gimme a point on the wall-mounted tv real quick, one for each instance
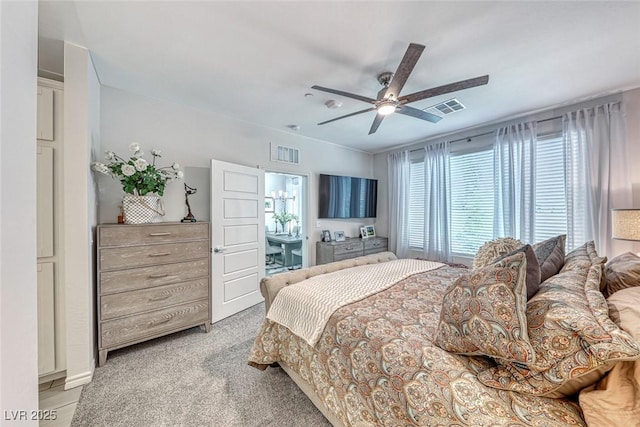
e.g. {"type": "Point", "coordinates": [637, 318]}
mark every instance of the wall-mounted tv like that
{"type": "Point", "coordinates": [347, 197]}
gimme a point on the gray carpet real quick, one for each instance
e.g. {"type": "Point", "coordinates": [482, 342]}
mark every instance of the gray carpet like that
{"type": "Point", "coordinates": [195, 379]}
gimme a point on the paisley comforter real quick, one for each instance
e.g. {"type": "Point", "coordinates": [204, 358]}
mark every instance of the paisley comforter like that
{"type": "Point", "coordinates": [376, 365]}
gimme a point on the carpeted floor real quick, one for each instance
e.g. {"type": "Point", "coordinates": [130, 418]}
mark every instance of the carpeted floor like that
{"type": "Point", "coordinates": [195, 379]}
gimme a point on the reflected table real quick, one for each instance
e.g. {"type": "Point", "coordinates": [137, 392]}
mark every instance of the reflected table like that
{"type": "Point", "coordinates": [289, 242]}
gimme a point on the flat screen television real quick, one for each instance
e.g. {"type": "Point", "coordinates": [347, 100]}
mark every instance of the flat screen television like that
{"type": "Point", "coordinates": [347, 197]}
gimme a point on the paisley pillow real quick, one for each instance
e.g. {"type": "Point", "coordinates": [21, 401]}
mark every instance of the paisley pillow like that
{"type": "Point", "coordinates": [574, 339]}
{"type": "Point", "coordinates": [483, 313]}
{"type": "Point", "coordinates": [533, 269]}
{"type": "Point", "coordinates": [494, 249]}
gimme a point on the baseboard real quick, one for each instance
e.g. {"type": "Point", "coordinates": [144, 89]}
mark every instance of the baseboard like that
{"type": "Point", "coordinates": [80, 379]}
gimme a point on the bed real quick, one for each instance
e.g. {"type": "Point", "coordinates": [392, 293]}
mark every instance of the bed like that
{"type": "Point", "coordinates": [379, 359]}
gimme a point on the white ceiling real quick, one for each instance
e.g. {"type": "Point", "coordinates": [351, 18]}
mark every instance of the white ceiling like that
{"type": "Point", "coordinates": [255, 61]}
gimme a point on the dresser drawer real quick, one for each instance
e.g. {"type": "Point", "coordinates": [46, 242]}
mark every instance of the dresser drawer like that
{"type": "Point", "coordinates": [375, 243]}
{"type": "Point", "coordinates": [138, 256]}
{"type": "Point", "coordinates": [149, 277]}
{"type": "Point", "coordinates": [348, 248]}
{"type": "Point", "coordinates": [126, 303]}
{"type": "Point", "coordinates": [142, 326]}
{"type": "Point", "coordinates": [143, 234]}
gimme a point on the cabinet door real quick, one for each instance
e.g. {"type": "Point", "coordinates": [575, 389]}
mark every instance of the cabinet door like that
{"type": "Point", "coordinates": [46, 319]}
{"type": "Point", "coordinates": [45, 113]}
{"type": "Point", "coordinates": [44, 202]}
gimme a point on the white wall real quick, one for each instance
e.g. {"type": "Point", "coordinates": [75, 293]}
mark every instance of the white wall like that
{"type": "Point", "coordinates": [192, 137]}
{"type": "Point", "coordinates": [81, 138]}
{"type": "Point", "coordinates": [631, 100]}
{"type": "Point", "coordinates": [18, 283]}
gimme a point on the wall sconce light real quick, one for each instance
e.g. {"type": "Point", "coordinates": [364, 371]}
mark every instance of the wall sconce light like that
{"type": "Point", "coordinates": [625, 224]}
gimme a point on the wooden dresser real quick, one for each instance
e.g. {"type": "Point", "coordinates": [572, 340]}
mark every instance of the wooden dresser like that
{"type": "Point", "coordinates": [336, 251]}
{"type": "Point", "coordinates": [153, 279]}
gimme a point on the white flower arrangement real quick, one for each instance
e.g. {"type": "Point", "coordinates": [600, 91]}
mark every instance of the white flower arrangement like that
{"type": "Point", "coordinates": [136, 175]}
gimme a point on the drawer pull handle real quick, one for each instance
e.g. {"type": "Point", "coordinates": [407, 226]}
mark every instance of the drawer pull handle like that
{"type": "Point", "coordinates": [160, 254]}
{"type": "Point", "coordinates": [160, 322]}
{"type": "Point", "coordinates": [157, 276]}
{"type": "Point", "coordinates": [159, 298]}
{"type": "Point", "coordinates": [160, 234]}
{"type": "Point", "coordinates": [348, 248]}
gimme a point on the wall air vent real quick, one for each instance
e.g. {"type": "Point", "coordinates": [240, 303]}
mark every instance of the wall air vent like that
{"type": "Point", "coordinates": [280, 153]}
{"type": "Point", "coordinates": [446, 107]}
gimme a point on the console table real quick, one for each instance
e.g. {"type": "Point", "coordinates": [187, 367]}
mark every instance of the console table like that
{"type": "Point", "coordinates": [327, 252]}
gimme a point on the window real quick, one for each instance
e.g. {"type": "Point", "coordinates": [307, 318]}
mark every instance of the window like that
{"type": "Point", "coordinates": [550, 200]}
{"type": "Point", "coordinates": [472, 196]}
{"type": "Point", "coordinates": [471, 201]}
{"type": "Point", "coordinates": [416, 204]}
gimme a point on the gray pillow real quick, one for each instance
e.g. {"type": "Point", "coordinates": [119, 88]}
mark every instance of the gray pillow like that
{"type": "Point", "coordinates": [622, 272]}
{"type": "Point", "coordinates": [550, 255]}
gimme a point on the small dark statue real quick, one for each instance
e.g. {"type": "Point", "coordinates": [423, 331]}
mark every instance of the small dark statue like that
{"type": "Point", "coordinates": [187, 192]}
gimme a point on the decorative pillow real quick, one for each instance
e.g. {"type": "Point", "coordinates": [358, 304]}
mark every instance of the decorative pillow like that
{"type": "Point", "coordinates": [613, 401]}
{"type": "Point", "coordinates": [550, 254]}
{"type": "Point", "coordinates": [622, 272]}
{"type": "Point", "coordinates": [493, 249]}
{"type": "Point", "coordinates": [483, 312]}
{"type": "Point", "coordinates": [582, 258]}
{"type": "Point", "coordinates": [533, 269]}
{"type": "Point", "coordinates": [575, 342]}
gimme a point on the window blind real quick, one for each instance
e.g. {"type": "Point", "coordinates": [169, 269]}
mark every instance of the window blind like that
{"type": "Point", "coordinates": [471, 201]}
{"type": "Point", "coordinates": [416, 204]}
{"type": "Point", "coordinates": [550, 203]}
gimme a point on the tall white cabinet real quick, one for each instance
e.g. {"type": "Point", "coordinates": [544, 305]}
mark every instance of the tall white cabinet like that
{"type": "Point", "coordinates": [51, 334]}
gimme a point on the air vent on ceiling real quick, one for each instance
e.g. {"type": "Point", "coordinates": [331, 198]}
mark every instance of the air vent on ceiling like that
{"type": "Point", "coordinates": [446, 107]}
{"type": "Point", "coordinates": [280, 153]}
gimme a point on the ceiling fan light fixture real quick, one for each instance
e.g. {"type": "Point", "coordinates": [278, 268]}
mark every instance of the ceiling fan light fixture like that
{"type": "Point", "coordinates": [387, 107]}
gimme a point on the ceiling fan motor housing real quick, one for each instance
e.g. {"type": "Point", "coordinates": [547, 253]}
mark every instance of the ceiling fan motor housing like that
{"type": "Point", "coordinates": [385, 78]}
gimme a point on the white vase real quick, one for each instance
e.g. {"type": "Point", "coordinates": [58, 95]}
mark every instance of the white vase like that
{"type": "Point", "coordinates": [142, 209]}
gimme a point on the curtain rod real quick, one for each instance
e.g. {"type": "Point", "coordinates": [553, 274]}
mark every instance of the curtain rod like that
{"type": "Point", "coordinates": [469, 138]}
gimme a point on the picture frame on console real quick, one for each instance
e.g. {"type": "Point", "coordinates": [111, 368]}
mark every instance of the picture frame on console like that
{"type": "Point", "coordinates": [363, 232]}
{"type": "Point", "coordinates": [326, 235]}
{"type": "Point", "coordinates": [340, 236]}
{"type": "Point", "coordinates": [371, 231]}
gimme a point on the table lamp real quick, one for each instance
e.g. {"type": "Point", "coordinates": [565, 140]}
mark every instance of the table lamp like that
{"type": "Point", "coordinates": [625, 224]}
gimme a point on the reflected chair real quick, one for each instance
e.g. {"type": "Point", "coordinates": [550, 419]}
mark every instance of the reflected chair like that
{"type": "Point", "coordinates": [296, 254]}
{"type": "Point", "coordinates": [271, 251]}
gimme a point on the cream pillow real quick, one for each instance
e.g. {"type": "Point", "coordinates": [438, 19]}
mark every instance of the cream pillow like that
{"type": "Point", "coordinates": [494, 249]}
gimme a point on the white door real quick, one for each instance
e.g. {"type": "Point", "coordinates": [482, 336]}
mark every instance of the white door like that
{"type": "Point", "coordinates": [237, 237]}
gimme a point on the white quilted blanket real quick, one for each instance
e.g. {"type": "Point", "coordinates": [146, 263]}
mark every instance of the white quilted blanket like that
{"type": "Point", "coordinates": [305, 307]}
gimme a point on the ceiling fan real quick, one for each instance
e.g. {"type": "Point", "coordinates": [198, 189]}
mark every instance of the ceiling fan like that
{"type": "Point", "coordinates": [389, 101]}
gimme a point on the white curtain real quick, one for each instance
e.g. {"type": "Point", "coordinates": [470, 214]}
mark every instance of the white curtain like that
{"type": "Point", "coordinates": [399, 173]}
{"type": "Point", "coordinates": [514, 159]}
{"type": "Point", "coordinates": [437, 203]}
{"type": "Point", "coordinates": [598, 175]}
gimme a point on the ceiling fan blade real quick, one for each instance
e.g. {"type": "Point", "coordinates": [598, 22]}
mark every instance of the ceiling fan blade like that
{"type": "Point", "coordinates": [347, 94]}
{"type": "Point", "coordinates": [405, 68]}
{"type": "Point", "coordinates": [418, 114]}
{"type": "Point", "coordinates": [349, 115]}
{"type": "Point", "coordinates": [376, 123]}
{"type": "Point", "coordinates": [440, 90]}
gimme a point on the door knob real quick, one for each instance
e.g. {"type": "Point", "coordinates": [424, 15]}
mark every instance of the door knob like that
{"type": "Point", "coordinates": [218, 249]}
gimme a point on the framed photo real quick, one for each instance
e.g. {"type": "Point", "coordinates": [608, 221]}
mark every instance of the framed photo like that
{"type": "Point", "coordinates": [326, 236]}
{"type": "Point", "coordinates": [269, 204]}
{"type": "Point", "coordinates": [363, 232]}
{"type": "Point", "coordinates": [371, 231]}
{"type": "Point", "coordinates": [340, 236]}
